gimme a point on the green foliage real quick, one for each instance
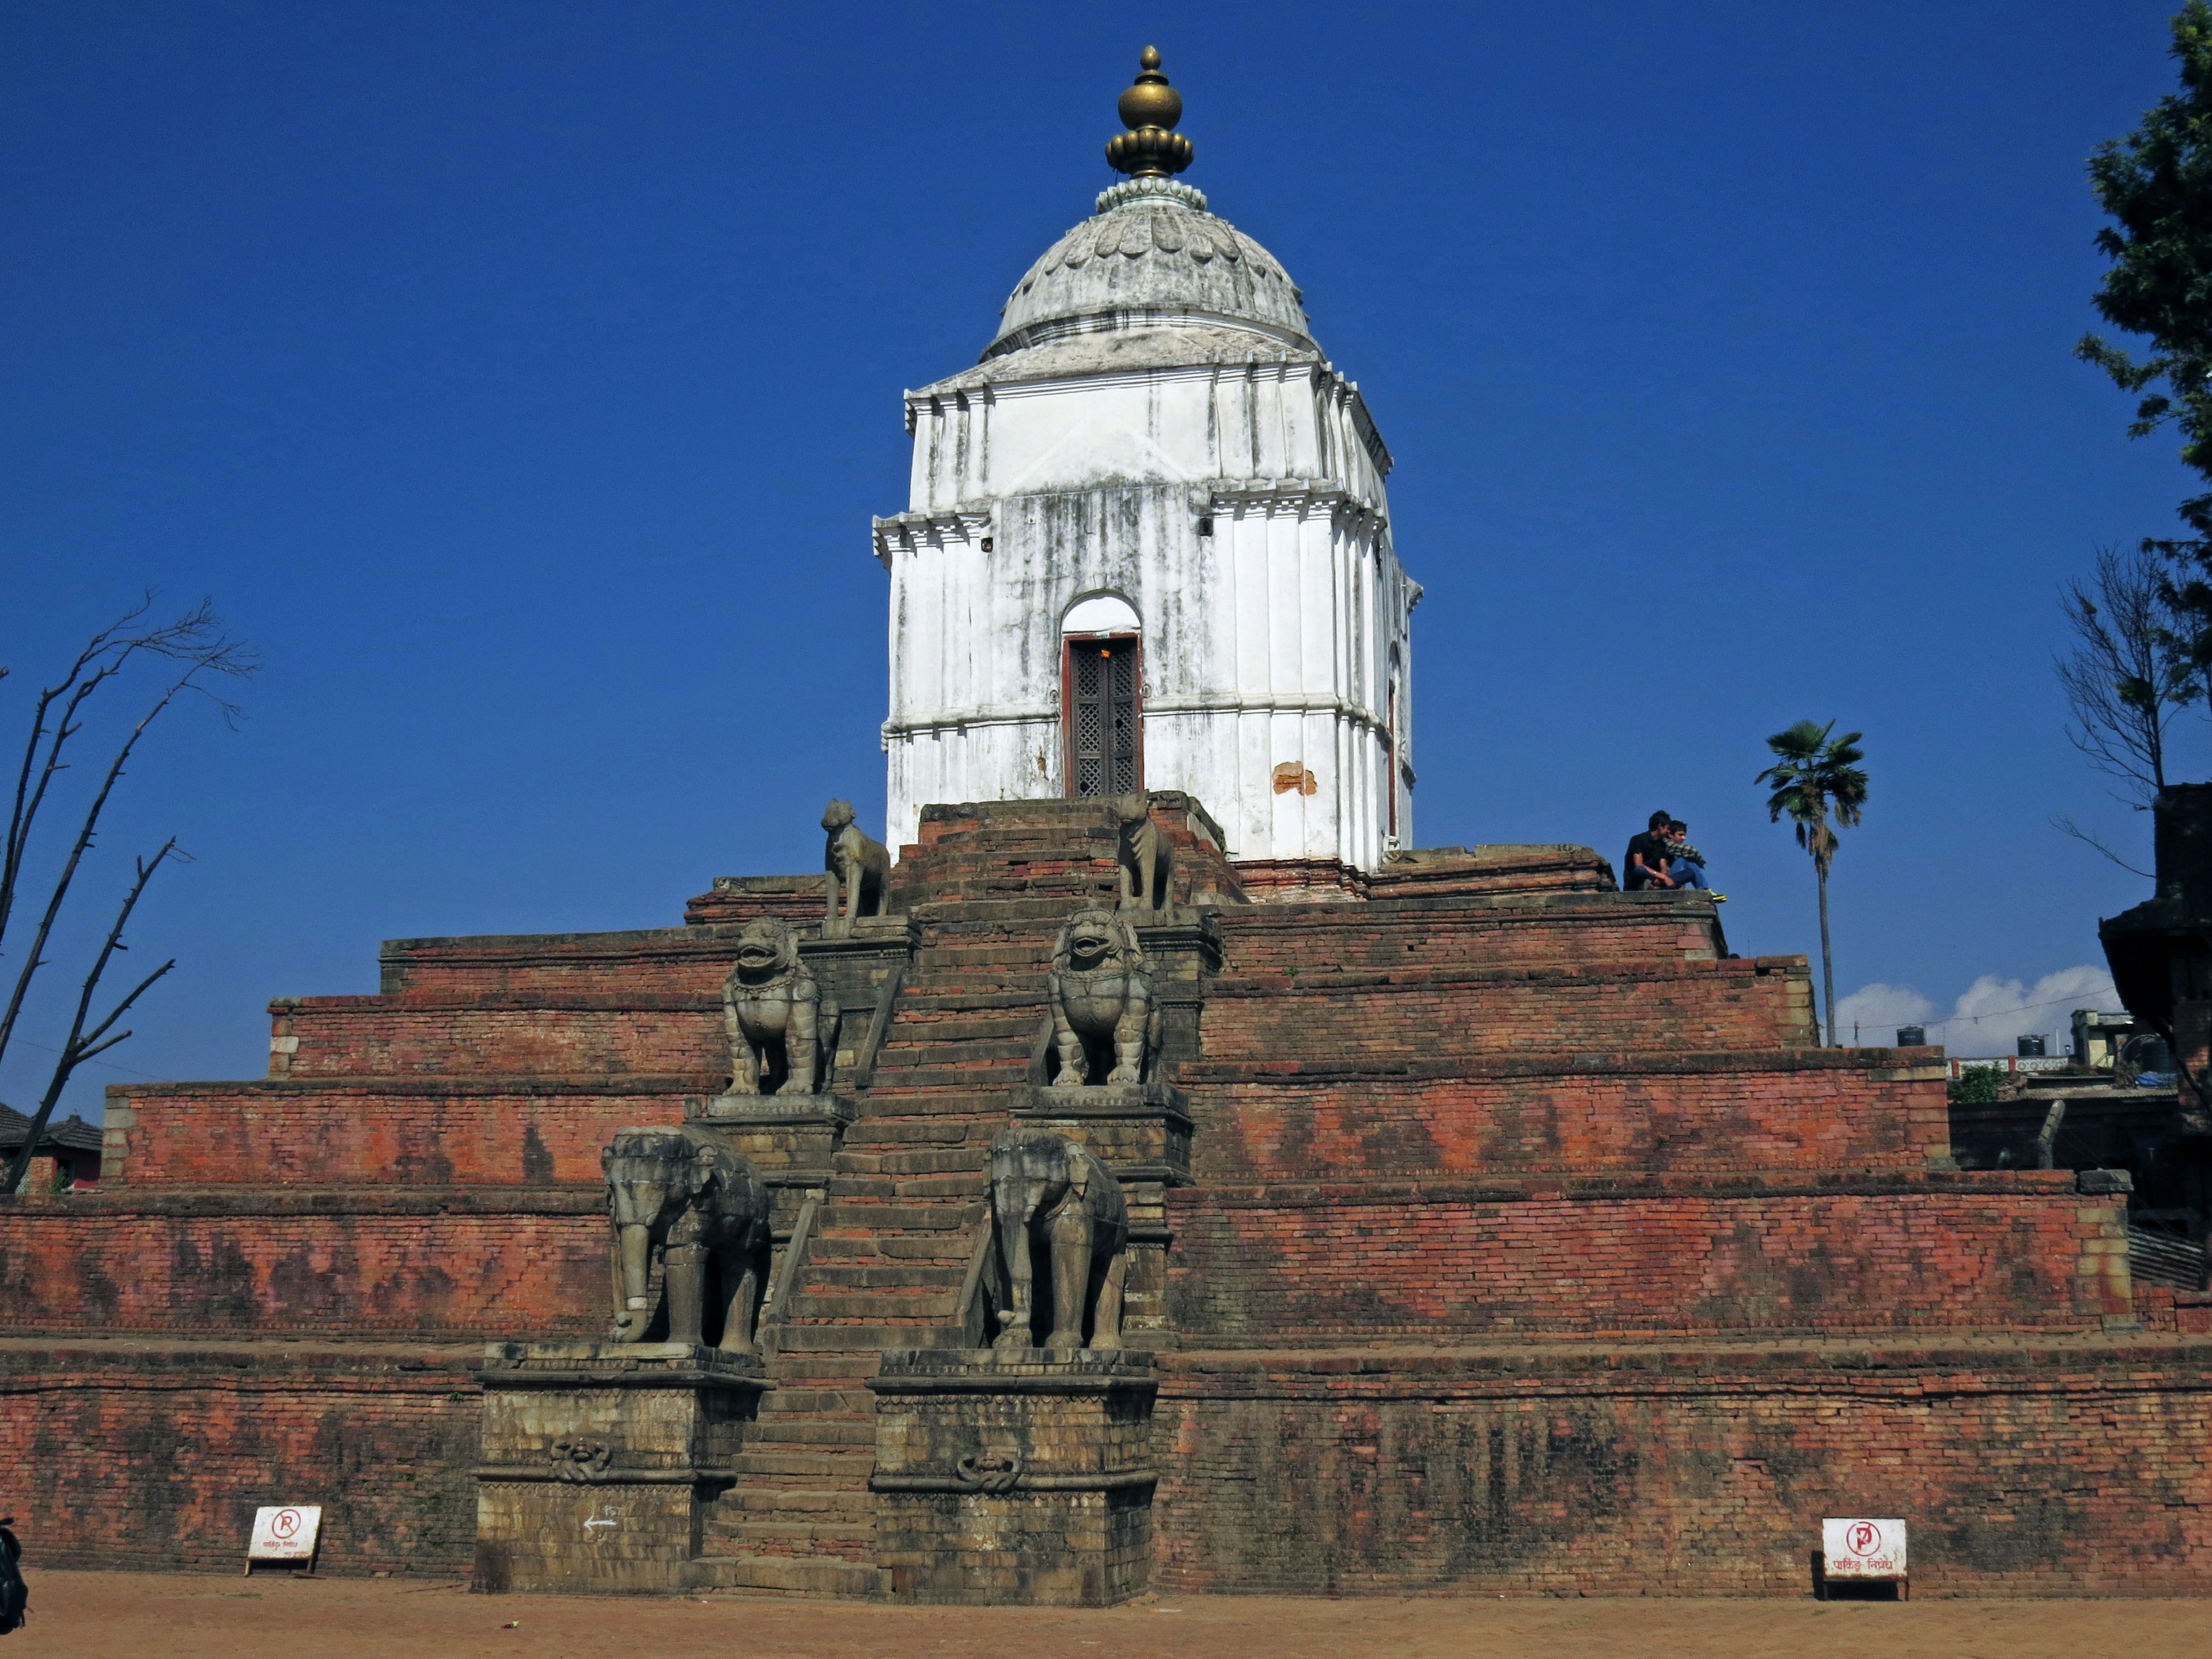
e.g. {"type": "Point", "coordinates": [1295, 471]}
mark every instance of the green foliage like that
{"type": "Point", "coordinates": [1977, 1085]}
{"type": "Point", "coordinates": [2156, 185]}
{"type": "Point", "coordinates": [1812, 777]}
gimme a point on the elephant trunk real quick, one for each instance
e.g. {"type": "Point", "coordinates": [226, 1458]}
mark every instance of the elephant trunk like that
{"type": "Point", "coordinates": [633, 1259]}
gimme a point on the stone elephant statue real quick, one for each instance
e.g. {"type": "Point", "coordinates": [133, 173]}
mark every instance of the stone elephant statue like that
{"type": "Point", "coordinates": [688, 1195]}
{"type": "Point", "coordinates": [1049, 1193]}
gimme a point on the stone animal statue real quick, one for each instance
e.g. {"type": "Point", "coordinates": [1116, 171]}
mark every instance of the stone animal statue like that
{"type": "Point", "coordinates": [1049, 1195]}
{"type": "Point", "coordinates": [1104, 1025]}
{"type": "Point", "coordinates": [860, 867]}
{"type": "Point", "coordinates": [688, 1195]}
{"type": "Point", "coordinates": [774, 1014]}
{"type": "Point", "coordinates": [1146, 856]}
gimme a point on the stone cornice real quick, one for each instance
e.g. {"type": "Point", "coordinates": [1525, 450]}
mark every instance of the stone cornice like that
{"type": "Point", "coordinates": [1301, 495]}
{"type": "Point", "coordinates": [911, 532]}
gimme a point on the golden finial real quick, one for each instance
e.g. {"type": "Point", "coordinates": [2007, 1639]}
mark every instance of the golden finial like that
{"type": "Point", "coordinates": [1150, 109]}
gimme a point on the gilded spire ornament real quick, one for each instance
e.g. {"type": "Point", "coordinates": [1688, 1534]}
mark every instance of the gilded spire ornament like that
{"type": "Point", "coordinates": [1151, 149]}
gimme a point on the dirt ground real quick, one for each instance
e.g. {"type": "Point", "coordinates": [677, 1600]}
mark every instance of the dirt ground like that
{"type": "Point", "coordinates": [88, 1615]}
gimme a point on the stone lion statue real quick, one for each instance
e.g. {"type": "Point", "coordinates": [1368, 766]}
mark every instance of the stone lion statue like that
{"type": "Point", "coordinates": [1146, 856]}
{"type": "Point", "coordinates": [773, 1013]}
{"type": "Point", "coordinates": [1103, 1022]}
{"type": "Point", "coordinates": [858, 865]}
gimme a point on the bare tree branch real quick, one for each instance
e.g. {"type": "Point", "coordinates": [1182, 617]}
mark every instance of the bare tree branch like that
{"type": "Point", "coordinates": [82, 1044]}
{"type": "Point", "coordinates": [2067, 827]}
{"type": "Point", "coordinates": [2123, 679]}
{"type": "Point", "coordinates": [195, 641]}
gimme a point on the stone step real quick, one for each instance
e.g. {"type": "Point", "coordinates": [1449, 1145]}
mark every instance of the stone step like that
{"type": "Point", "coordinates": [972, 1184]}
{"type": "Point", "coordinates": [799, 1398]}
{"type": "Point", "coordinates": [821, 1370]}
{"type": "Point", "coordinates": [855, 1339]}
{"type": "Point", "coordinates": [1008, 953]}
{"type": "Point", "coordinates": [902, 1134]}
{"type": "Point", "coordinates": [930, 1251]}
{"type": "Point", "coordinates": [798, 1503]}
{"type": "Point", "coordinates": [952, 1061]}
{"type": "Point", "coordinates": [911, 1030]}
{"type": "Point", "coordinates": [978, 913]}
{"type": "Point", "coordinates": [910, 1101]}
{"type": "Point", "coordinates": [883, 1305]}
{"type": "Point", "coordinates": [810, 1431]}
{"type": "Point", "coordinates": [795, 1532]}
{"type": "Point", "coordinates": [822, 1463]}
{"type": "Point", "coordinates": [881, 1276]}
{"type": "Point", "coordinates": [840, 1216]}
{"type": "Point", "coordinates": [788, 1574]}
{"type": "Point", "coordinates": [963, 992]}
{"type": "Point", "coordinates": [917, 1160]}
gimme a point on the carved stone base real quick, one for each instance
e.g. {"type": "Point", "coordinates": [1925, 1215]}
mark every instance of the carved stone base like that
{"type": "Point", "coordinates": [1141, 1131]}
{"type": "Point", "coordinates": [790, 1138]}
{"type": "Point", "coordinates": [601, 1458]}
{"type": "Point", "coordinates": [1013, 1479]}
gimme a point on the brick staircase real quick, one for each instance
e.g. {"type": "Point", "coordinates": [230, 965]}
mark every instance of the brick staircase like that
{"type": "Point", "coordinates": [897, 1228]}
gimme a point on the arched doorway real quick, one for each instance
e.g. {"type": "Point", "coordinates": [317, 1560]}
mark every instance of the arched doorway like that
{"type": "Point", "coordinates": [1102, 682]}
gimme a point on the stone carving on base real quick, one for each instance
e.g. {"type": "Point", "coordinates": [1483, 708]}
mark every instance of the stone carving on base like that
{"type": "Point", "coordinates": [686, 1195]}
{"type": "Point", "coordinates": [1145, 855]}
{"type": "Point", "coordinates": [859, 868]}
{"type": "Point", "coordinates": [1050, 1196]}
{"type": "Point", "coordinates": [1105, 1025]}
{"type": "Point", "coordinates": [773, 1011]}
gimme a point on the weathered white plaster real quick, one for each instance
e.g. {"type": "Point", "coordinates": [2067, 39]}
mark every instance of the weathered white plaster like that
{"type": "Point", "coordinates": [1154, 423]}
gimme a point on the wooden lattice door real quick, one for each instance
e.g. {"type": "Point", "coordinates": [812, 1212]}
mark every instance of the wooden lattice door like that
{"type": "Point", "coordinates": [1104, 724]}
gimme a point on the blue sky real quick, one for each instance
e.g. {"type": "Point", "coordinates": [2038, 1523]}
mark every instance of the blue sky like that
{"type": "Point", "coordinates": [521, 380]}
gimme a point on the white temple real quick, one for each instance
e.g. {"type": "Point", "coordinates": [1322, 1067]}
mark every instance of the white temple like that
{"type": "Point", "coordinates": [1148, 546]}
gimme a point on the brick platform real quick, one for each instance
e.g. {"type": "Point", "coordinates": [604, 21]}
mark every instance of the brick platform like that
{"type": "Point", "coordinates": [1493, 1230]}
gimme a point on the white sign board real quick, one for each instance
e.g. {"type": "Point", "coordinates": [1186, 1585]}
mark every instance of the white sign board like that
{"type": "Point", "coordinates": [285, 1535]}
{"type": "Point", "coordinates": [1862, 1549]}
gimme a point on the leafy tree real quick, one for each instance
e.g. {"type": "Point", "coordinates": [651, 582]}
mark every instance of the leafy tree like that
{"type": "Point", "coordinates": [2156, 184]}
{"type": "Point", "coordinates": [1813, 778]}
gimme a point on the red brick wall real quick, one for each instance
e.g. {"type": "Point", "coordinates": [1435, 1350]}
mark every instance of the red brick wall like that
{"type": "Point", "coordinates": [682, 959]}
{"type": "Point", "coordinates": [365, 1134]}
{"type": "Point", "coordinates": [658, 1033]}
{"type": "Point", "coordinates": [1713, 1112]}
{"type": "Point", "coordinates": [441, 1263]}
{"type": "Point", "coordinates": [1559, 933]}
{"type": "Point", "coordinates": [2002, 1251]}
{"type": "Point", "coordinates": [1426, 1013]}
{"type": "Point", "coordinates": [157, 1459]}
{"type": "Point", "coordinates": [2022, 1472]}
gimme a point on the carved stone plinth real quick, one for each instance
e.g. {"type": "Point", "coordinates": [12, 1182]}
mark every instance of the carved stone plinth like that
{"type": "Point", "coordinates": [600, 1460]}
{"type": "Point", "coordinates": [790, 1138]}
{"type": "Point", "coordinates": [1014, 1480]}
{"type": "Point", "coordinates": [1141, 1132]}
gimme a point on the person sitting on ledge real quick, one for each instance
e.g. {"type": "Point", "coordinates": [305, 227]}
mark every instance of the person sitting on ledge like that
{"type": "Point", "coordinates": [1686, 865]}
{"type": "Point", "coordinates": [1645, 863]}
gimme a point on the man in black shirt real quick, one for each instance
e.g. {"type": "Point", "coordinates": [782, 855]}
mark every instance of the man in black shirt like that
{"type": "Point", "coordinates": [1645, 864]}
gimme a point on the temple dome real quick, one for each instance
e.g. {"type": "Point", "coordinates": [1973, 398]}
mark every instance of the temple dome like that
{"type": "Point", "coordinates": [1151, 255]}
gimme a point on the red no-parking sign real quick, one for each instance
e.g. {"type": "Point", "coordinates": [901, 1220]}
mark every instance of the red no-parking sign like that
{"type": "Point", "coordinates": [285, 1533]}
{"type": "Point", "coordinates": [1864, 1549]}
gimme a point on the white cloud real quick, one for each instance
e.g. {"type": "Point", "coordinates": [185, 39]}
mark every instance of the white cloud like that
{"type": "Point", "coordinates": [1988, 1016]}
{"type": "Point", "coordinates": [1877, 1010]}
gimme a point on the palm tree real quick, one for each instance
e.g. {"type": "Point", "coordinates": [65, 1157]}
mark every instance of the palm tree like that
{"type": "Point", "coordinates": [1811, 777]}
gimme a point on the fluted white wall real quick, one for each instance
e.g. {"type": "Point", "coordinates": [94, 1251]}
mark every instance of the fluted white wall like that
{"type": "Point", "coordinates": [1239, 507]}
